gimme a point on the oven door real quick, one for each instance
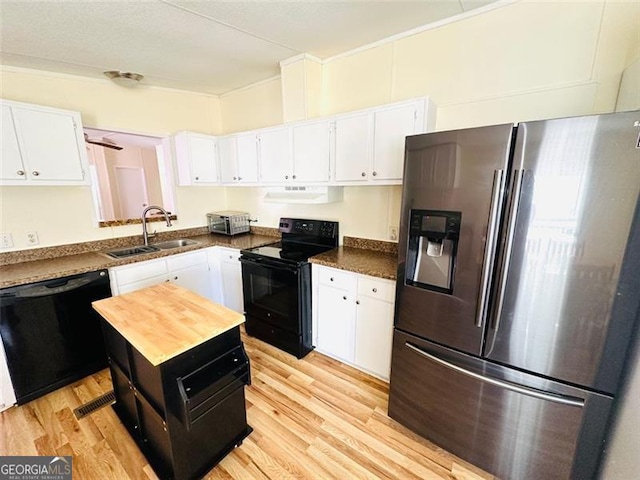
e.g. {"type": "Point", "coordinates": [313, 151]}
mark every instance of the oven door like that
{"type": "Point", "coordinates": [276, 299]}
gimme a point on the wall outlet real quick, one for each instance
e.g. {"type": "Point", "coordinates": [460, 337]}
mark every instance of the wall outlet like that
{"type": "Point", "coordinates": [6, 240]}
{"type": "Point", "coordinates": [393, 233]}
{"type": "Point", "coordinates": [32, 238]}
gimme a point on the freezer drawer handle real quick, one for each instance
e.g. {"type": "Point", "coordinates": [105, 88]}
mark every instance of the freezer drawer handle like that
{"type": "Point", "coordinates": [565, 400]}
{"type": "Point", "coordinates": [490, 246]}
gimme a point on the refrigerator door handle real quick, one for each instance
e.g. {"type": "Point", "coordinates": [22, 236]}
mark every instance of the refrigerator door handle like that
{"type": "Point", "coordinates": [532, 392]}
{"type": "Point", "coordinates": [511, 230]}
{"type": "Point", "coordinates": [490, 246]}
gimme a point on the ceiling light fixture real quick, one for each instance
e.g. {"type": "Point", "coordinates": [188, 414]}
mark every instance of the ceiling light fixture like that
{"type": "Point", "coordinates": [124, 79]}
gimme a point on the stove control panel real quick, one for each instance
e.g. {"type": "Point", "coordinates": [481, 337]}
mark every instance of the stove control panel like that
{"type": "Point", "coordinates": [317, 228]}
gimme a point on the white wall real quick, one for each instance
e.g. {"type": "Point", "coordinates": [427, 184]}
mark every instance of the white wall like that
{"type": "Point", "coordinates": [65, 214]}
{"type": "Point", "coordinates": [523, 61]}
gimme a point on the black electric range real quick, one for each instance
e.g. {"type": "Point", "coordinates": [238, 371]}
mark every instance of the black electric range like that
{"type": "Point", "coordinates": [276, 282]}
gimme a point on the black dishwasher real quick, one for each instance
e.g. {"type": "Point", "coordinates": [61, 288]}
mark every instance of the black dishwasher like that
{"type": "Point", "coordinates": [51, 334]}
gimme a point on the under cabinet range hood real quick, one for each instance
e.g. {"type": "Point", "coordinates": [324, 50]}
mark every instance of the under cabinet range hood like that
{"type": "Point", "coordinates": [299, 194]}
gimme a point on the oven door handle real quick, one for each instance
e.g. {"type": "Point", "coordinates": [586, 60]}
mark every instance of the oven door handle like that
{"type": "Point", "coordinates": [259, 262]}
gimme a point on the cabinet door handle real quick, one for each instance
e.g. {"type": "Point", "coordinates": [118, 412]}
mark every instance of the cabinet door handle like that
{"type": "Point", "coordinates": [35, 173]}
{"type": "Point", "coordinates": [175, 278]}
{"type": "Point", "coordinates": [331, 279]}
{"type": "Point", "coordinates": [20, 172]}
{"type": "Point", "coordinates": [294, 177]}
{"type": "Point", "coordinates": [235, 178]}
{"type": "Point", "coordinates": [167, 280]}
{"type": "Point", "coordinates": [374, 290]}
{"type": "Point", "coordinates": [344, 298]}
{"type": "Point", "coordinates": [375, 173]}
{"type": "Point", "coordinates": [239, 178]}
{"type": "Point", "coordinates": [357, 302]}
{"type": "Point", "coordinates": [286, 177]}
{"type": "Point", "coordinates": [363, 174]}
{"type": "Point", "coordinates": [197, 178]}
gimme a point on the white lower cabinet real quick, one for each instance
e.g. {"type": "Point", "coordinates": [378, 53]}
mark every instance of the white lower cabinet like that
{"type": "Point", "coordinates": [231, 273]}
{"type": "Point", "coordinates": [189, 270]}
{"type": "Point", "coordinates": [353, 318]}
{"type": "Point", "coordinates": [336, 315]}
{"type": "Point", "coordinates": [215, 274]}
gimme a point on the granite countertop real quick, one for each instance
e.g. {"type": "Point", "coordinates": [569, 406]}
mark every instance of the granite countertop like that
{"type": "Point", "coordinates": [36, 270]}
{"type": "Point", "coordinates": [190, 319]}
{"type": "Point", "coordinates": [368, 257]}
{"type": "Point", "coordinates": [378, 259]}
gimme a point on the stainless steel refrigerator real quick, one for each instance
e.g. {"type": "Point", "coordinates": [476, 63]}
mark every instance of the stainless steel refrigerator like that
{"type": "Point", "coordinates": [518, 291]}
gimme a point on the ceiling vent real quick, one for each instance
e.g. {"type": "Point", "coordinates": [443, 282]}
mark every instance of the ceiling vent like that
{"type": "Point", "coordinates": [309, 195]}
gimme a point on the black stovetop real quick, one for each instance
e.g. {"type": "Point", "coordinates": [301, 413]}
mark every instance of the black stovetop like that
{"type": "Point", "coordinates": [289, 252]}
{"type": "Point", "coordinates": [300, 240]}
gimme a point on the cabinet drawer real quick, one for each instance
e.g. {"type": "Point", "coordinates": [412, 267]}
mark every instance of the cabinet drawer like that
{"type": "Point", "coordinates": [184, 260]}
{"type": "Point", "coordinates": [336, 278]}
{"type": "Point", "coordinates": [376, 288]}
{"type": "Point", "coordinates": [140, 271]}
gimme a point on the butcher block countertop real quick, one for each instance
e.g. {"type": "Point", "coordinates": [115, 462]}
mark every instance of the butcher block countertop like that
{"type": "Point", "coordinates": [165, 320]}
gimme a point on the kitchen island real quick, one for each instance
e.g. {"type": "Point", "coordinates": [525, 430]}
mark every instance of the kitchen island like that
{"type": "Point", "coordinates": [179, 369]}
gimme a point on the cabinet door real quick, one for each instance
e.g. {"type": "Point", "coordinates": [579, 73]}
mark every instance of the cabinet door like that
{"type": "Point", "coordinates": [191, 270]}
{"type": "Point", "coordinates": [203, 159]}
{"type": "Point", "coordinates": [391, 126]}
{"type": "Point", "coordinates": [215, 275]}
{"type": "Point", "coordinates": [374, 335]}
{"type": "Point", "coordinates": [227, 154]}
{"type": "Point", "coordinates": [336, 322]}
{"type": "Point", "coordinates": [128, 278]}
{"type": "Point", "coordinates": [247, 156]}
{"type": "Point", "coordinates": [231, 279]}
{"type": "Point", "coordinates": [11, 167]}
{"type": "Point", "coordinates": [51, 145]}
{"type": "Point", "coordinates": [275, 155]}
{"type": "Point", "coordinates": [353, 139]}
{"type": "Point", "coordinates": [142, 283]}
{"type": "Point", "coordinates": [195, 278]}
{"type": "Point", "coordinates": [311, 148]}
{"type": "Point", "coordinates": [196, 158]}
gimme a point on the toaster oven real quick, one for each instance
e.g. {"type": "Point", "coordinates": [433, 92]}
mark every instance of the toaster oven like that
{"type": "Point", "coordinates": [228, 222]}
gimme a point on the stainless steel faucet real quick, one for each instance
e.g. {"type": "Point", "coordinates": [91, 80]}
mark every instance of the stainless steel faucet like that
{"type": "Point", "coordinates": [144, 220]}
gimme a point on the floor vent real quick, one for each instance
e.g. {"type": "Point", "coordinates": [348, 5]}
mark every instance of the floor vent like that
{"type": "Point", "coordinates": [95, 404]}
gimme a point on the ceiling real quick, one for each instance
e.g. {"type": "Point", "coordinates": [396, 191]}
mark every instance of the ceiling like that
{"type": "Point", "coordinates": [204, 46]}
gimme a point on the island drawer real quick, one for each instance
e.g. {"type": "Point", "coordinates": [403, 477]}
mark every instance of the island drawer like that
{"type": "Point", "coordinates": [205, 388]}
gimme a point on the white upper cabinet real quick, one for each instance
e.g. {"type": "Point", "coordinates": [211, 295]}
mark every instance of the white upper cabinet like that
{"type": "Point", "coordinates": [11, 165]}
{"type": "Point", "coordinates": [274, 155]}
{"type": "Point", "coordinates": [238, 159]}
{"type": "Point", "coordinates": [196, 159]}
{"type": "Point", "coordinates": [369, 145]}
{"type": "Point", "coordinates": [359, 148]}
{"type": "Point", "coordinates": [311, 152]}
{"type": "Point", "coordinates": [391, 126]}
{"type": "Point", "coordinates": [353, 144]}
{"type": "Point", "coordinates": [42, 146]}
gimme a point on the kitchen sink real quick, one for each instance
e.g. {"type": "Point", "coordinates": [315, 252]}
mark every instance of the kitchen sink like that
{"type": "Point", "coordinates": [130, 252]}
{"type": "Point", "coordinates": [156, 247]}
{"type": "Point", "coordinates": [180, 242]}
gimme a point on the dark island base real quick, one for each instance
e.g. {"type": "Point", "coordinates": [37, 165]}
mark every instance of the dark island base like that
{"type": "Point", "coordinates": [187, 413]}
{"type": "Point", "coordinates": [159, 465]}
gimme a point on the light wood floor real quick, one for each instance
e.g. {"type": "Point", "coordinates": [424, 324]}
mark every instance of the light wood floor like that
{"type": "Point", "coordinates": [313, 418]}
